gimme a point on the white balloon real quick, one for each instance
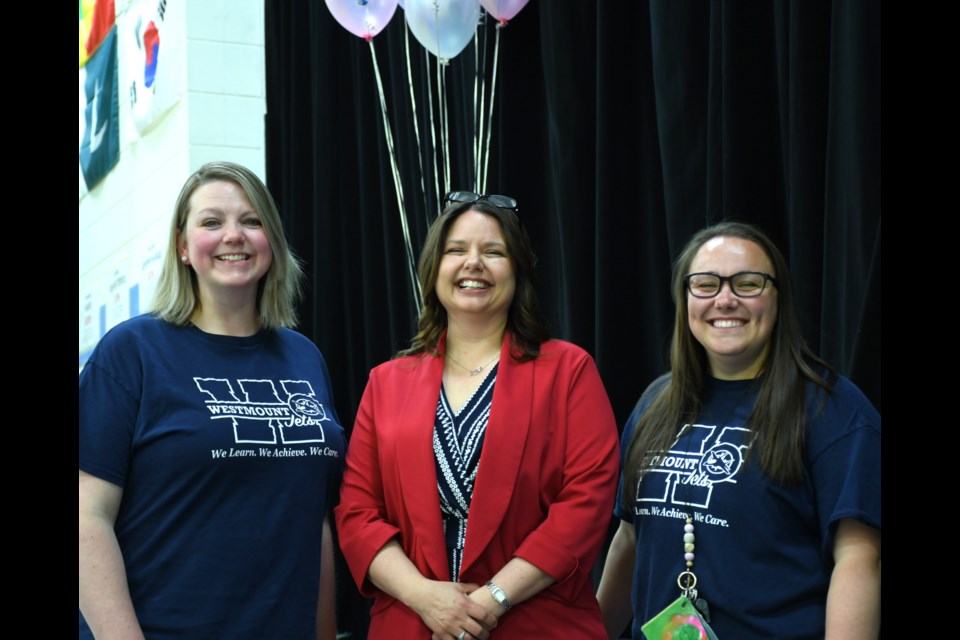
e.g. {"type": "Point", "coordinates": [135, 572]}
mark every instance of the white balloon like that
{"type": "Point", "coordinates": [443, 27]}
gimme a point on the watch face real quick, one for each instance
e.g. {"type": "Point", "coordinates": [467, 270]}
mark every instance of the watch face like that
{"type": "Point", "coordinates": [499, 595]}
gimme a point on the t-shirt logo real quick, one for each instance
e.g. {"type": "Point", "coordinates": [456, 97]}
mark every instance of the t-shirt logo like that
{"type": "Point", "coordinates": [706, 457]}
{"type": "Point", "coordinates": [265, 411]}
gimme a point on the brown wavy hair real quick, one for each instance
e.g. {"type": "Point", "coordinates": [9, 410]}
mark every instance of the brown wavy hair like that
{"type": "Point", "coordinates": [524, 319]}
{"type": "Point", "coordinates": [778, 419]}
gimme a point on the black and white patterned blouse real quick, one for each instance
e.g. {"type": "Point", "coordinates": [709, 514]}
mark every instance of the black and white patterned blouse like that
{"type": "Point", "coordinates": [457, 441]}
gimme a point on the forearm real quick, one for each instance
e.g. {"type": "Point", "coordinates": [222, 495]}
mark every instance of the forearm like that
{"type": "Point", "coordinates": [104, 595]}
{"type": "Point", "coordinates": [443, 606]}
{"type": "Point", "coordinates": [853, 599]}
{"type": "Point", "coordinates": [853, 603]}
{"type": "Point", "coordinates": [617, 580]}
{"type": "Point", "coordinates": [519, 579]}
{"type": "Point", "coordinates": [326, 600]}
{"type": "Point", "coordinates": [392, 572]}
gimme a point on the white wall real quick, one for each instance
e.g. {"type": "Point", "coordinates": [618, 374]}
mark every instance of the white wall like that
{"type": "Point", "coordinates": [124, 220]}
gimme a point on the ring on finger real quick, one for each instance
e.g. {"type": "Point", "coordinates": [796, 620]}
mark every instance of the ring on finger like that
{"type": "Point", "coordinates": [462, 636]}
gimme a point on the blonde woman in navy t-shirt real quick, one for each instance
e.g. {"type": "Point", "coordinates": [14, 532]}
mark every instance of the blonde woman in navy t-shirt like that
{"type": "Point", "coordinates": [210, 450]}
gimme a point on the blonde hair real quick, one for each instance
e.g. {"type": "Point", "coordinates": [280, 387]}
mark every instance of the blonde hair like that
{"type": "Point", "coordinates": [279, 290]}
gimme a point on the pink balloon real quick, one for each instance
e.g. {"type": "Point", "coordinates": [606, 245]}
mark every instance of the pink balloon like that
{"type": "Point", "coordinates": [363, 18]}
{"type": "Point", "coordinates": [503, 10]}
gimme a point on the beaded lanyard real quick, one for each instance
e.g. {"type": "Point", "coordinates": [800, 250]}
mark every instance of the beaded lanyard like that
{"type": "Point", "coordinates": [689, 615]}
{"type": "Point", "coordinates": [687, 580]}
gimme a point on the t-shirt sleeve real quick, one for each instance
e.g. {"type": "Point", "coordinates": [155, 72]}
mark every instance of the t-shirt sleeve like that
{"type": "Point", "coordinates": [109, 403]}
{"type": "Point", "coordinates": [845, 461]}
{"type": "Point", "coordinates": [333, 486]}
{"type": "Point", "coordinates": [620, 510]}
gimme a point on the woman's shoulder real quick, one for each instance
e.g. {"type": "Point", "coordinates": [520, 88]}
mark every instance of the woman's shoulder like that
{"type": "Point", "coordinates": [649, 393]}
{"type": "Point", "coordinates": [135, 330]}
{"type": "Point", "coordinates": [844, 396]}
{"type": "Point", "coordinates": [402, 365]}
{"type": "Point", "coordinates": [130, 343]}
{"type": "Point", "coordinates": [562, 349]}
{"type": "Point", "coordinates": [293, 337]}
{"type": "Point", "coordinates": [843, 410]}
{"type": "Point", "coordinates": [847, 388]}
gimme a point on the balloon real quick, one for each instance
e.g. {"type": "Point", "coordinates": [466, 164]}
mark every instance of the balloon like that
{"type": "Point", "coordinates": [364, 18]}
{"type": "Point", "coordinates": [503, 10]}
{"type": "Point", "coordinates": [443, 27]}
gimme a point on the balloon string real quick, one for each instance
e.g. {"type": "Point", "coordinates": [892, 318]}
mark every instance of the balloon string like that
{"type": "Point", "coordinates": [416, 125]}
{"type": "Point", "coordinates": [442, 103]}
{"type": "Point", "coordinates": [433, 131]}
{"type": "Point", "coordinates": [444, 121]}
{"type": "Point", "coordinates": [478, 78]}
{"type": "Point", "coordinates": [388, 134]}
{"type": "Point", "coordinates": [493, 90]}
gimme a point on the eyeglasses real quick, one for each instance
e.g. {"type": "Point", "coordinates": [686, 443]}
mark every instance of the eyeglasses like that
{"type": "Point", "coordinates": [466, 197]}
{"type": "Point", "coordinates": [746, 284]}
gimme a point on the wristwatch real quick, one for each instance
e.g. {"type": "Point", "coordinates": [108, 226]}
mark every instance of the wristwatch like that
{"type": "Point", "coordinates": [499, 595]}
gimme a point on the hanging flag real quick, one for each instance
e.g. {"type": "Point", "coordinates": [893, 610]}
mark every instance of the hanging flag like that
{"type": "Point", "coordinates": [151, 55]}
{"type": "Point", "coordinates": [99, 114]}
{"type": "Point", "coordinates": [96, 20]}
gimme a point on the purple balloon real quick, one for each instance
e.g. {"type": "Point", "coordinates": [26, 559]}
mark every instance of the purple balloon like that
{"type": "Point", "coordinates": [363, 18]}
{"type": "Point", "coordinates": [503, 10]}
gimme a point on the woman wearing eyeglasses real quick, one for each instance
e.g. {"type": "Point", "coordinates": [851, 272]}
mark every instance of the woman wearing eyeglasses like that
{"type": "Point", "coordinates": [750, 496]}
{"type": "Point", "coordinates": [483, 462]}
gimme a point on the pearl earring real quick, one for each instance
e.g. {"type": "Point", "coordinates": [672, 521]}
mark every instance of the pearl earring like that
{"type": "Point", "coordinates": [183, 259]}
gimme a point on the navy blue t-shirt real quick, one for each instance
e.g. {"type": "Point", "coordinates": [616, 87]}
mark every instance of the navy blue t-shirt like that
{"type": "Point", "coordinates": [229, 452]}
{"type": "Point", "coordinates": [763, 554]}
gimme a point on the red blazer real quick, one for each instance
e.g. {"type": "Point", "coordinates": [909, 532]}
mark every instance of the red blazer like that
{"type": "Point", "coordinates": [544, 490]}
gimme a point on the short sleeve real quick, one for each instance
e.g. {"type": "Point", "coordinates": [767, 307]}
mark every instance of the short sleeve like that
{"type": "Point", "coordinates": [844, 448]}
{"type": "Point", "coordinates": [109, 403]}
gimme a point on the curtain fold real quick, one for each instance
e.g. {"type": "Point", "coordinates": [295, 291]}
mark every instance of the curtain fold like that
{"type": "Point", "coordinates": [621, 128]}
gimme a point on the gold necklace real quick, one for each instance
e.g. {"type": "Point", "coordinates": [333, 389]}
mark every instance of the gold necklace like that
{"type": "Point", "coordinates": [473, 372]}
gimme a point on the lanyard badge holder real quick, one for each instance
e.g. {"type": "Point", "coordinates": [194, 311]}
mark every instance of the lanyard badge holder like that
{"type": "Point", "coordinates": [686, 618]}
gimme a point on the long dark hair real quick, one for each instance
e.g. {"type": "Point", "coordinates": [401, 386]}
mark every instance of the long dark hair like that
{"type": "Point", "coordinates": [524, 319]}
{"type": "Point", "coordinates": [777, 420]}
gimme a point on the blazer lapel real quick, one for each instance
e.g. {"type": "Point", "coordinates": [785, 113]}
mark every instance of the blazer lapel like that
{"type": "Point", "coordinates": [416, 463]}
{"type": "Point", "coordinates": [502, 454]}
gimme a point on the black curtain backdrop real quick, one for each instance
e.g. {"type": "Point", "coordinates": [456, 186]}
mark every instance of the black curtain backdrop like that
{"type": "Point", "coordinates": [621, 128]}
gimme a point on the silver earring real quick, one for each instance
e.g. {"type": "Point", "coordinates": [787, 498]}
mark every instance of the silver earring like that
{"type": "Point", "coordinates": [183, 259]}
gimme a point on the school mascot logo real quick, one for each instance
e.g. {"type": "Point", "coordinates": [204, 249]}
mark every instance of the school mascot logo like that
{"type": "Point", "coordinates": [265, 411]}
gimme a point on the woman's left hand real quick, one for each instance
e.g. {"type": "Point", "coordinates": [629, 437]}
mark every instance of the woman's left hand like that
{"type": "Point", "coordinates": [447, 609]}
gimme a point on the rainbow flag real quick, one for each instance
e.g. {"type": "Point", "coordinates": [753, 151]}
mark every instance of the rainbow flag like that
{"type": "Point", "coordinates": [96, 19]}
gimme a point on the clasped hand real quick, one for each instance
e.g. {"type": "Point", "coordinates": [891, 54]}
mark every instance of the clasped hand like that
{"type": "Point", "coordinates": [447, 609]}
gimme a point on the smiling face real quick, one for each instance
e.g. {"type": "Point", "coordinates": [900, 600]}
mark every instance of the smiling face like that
{"type": "Point", "coordinates": [475, 279]}
{"type": "Point", "coordinates": [735, 332]}
{"type": "Point", "coordinates": [224, 241]}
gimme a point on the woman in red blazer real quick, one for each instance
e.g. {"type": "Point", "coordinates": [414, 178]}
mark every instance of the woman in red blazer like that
{"type": "Point", "coordinates": [482, 468]}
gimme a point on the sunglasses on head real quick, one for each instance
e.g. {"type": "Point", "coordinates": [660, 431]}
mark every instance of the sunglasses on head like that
{"type": "Point", "coordinates": [468, 197]}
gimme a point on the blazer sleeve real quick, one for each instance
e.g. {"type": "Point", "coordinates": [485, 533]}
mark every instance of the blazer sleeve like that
{"type": "Point", "coordinates": [568, 541]}
{"type": "Point", "coordinates": [361, 516]}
